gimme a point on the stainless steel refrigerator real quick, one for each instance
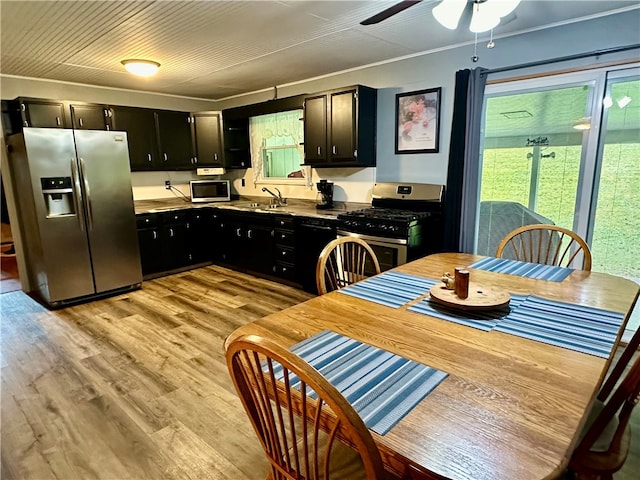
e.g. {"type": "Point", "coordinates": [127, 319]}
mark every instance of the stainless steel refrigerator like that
{"type": "Point", "coordinates": [76, 215]}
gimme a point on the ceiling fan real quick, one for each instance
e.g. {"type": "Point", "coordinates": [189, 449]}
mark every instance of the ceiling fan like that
{"type": "Point", "coordinates": [486, 14]}
{"type": "Point", "coordinates": [389, 12]}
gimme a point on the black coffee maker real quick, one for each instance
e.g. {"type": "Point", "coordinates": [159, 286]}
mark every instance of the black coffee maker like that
{"type": "Point", "coordinates": [325, 194]}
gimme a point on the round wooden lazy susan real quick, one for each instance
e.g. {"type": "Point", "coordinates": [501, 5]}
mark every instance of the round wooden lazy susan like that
{"type": "Point", "coordinates": [480, 297]}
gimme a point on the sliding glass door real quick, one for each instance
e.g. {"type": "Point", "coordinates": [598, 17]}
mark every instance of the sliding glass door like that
{"type": "Point", "coordinates": [565, 149]}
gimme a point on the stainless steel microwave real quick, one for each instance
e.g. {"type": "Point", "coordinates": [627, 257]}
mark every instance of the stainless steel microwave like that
{"type": "Point", "coordinates": [210, 191]}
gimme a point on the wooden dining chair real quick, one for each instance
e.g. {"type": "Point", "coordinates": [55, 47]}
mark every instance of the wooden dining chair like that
{"type": "Point", "coordinates": [546, 244]}
{"type": "Point", "coordinates": [604, 446]}
{"type": "Point", "coordinates": [304, 424]}
{"type": "Point", "coordinates": [620, 366]}
{"type": "Point", "coordinates": [344, 261]}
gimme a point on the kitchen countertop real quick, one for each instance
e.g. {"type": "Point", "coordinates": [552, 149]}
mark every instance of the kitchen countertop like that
{"type": "Point", "coordinates": [294, 207]}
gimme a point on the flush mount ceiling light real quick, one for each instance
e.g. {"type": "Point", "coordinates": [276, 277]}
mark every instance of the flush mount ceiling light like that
{"type": "Point", "coordinates": [144, 68]}
{"type": "Point", "coordinates": [486, 13]}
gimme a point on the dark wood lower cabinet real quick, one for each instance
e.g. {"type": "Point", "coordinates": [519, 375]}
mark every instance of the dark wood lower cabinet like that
{"type": "Point", "coordinates": [259, 243]}
{"type": "Point", "coordinates": [173, 240]}
{"type": "Point", "coordinates": [249, 241]}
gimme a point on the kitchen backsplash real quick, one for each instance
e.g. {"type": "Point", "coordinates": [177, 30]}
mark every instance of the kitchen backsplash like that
{"type": "Point", "coordinates": [351, 184]}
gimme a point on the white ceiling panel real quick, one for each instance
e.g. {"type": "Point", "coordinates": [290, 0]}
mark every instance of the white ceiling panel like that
{"type": "Point", "coordinates": [213, 49]}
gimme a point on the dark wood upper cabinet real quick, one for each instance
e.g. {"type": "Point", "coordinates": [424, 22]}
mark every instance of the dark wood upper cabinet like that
{"type": "Point", "coordinates": [315, 128]}
{"type": "Point", "coordinates": [207, 139]}
{"type": "Point", "coordinates": [42, 113]}
{"type": "Point", "coordinates": [237, 149]}
{"type": "Point", "coordinates": [174, 140]}
{"type": "Point", "coordinates": [140, 125]}
{"type": "Point", "coordinates": [340, 128]}
{"type": "Point", "coordinates": [90, 117]}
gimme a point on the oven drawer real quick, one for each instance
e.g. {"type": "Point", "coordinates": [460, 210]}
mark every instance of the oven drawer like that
{"type": "Point", "coordinates": [390, 252]}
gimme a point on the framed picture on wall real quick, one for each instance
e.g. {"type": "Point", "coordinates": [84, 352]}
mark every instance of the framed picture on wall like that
{"type": "Point", "coordinates": [418, 121]}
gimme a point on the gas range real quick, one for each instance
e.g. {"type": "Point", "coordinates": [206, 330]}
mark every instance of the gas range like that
{"type": "Point", "coordinates": [387, 222]}
{"type": "Point", "coordinates": [403, 223]}
{"type": "Point", "coordinates": [396, 209]}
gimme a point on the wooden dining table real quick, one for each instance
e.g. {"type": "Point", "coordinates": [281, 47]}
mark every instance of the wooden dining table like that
{"type": "Point", "coordinates": [509, 408]}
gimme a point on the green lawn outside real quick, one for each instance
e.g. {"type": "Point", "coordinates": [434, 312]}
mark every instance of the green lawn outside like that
{"type": "Point", "coordinates": [616, 241]}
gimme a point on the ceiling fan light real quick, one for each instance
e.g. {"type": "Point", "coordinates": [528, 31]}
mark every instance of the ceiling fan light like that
{"type": "Point", "coordinates": [449, 12]}
{"type": "Point", "coordinates": [143, 68]}
{"type": "Point", "coordinates": [483, 19]}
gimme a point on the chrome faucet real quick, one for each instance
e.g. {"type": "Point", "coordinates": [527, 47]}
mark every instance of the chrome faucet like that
{"type": "Point", "coordinates": [281, 201]}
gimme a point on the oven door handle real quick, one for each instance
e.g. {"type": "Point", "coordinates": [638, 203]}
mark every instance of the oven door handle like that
{"type": "Point", "coordinates": [373, 239]}
{"type": "Point", "coordinates": [316, 227]}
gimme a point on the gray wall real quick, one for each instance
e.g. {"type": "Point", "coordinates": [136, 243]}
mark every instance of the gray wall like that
{"type": "Point", "coordinates": [437, 69]}
{"type": "Point", "coordinates": [434, 69]}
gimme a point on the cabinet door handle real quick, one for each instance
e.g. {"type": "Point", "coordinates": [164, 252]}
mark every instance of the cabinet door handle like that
{"type": "Point", "coordinates": [319, 150]}
{"type": "Point", "coordinates": [165, 157]}
{"type": "Point", "coordinates": [58, 121]}
{"type": "Point", "coordinates": [155, 235]}
{"type": "Point", "coordinates": [148, 157]}
{"type": "Point", "coordinates": [238, 232]}
{"type": "Point", "coordinates": [171, 232]}
{"type": "Point", "coordinates": [249, 233]}
{"type": "Point", "coordinates": [215, 157]}
{"type": "Point", "coordinates": [80, 122]}
{"type": "Point", "coordinates": [334, 150]}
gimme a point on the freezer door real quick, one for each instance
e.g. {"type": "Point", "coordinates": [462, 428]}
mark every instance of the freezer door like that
{"type": "Point", "coordinates": [59, 253]}
{"type": "Point", "coordinates": [111, 225]}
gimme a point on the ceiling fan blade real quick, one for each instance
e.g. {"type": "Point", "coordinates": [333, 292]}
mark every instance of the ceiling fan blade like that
{"type": "Point", "coordinates": [397, 8]}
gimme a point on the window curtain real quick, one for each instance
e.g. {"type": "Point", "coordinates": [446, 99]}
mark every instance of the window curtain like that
{"type": "Point", "coordinates": [274, 129]}
{"type": "Point", "coordinates": [461, 198]}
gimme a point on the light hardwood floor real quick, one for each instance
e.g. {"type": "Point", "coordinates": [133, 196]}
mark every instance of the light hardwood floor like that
{"type": "Point", "coordinates": [136, 386]}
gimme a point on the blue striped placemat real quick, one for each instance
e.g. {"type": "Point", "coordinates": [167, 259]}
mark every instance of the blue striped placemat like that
{"type": "Point", "coordinates": [390, 288]}
{"type": "Point", "coordinates": [523, 269]}
{"type": "Point", "coordinates": [381, 386]}
{"type": "Point", "coordinates": [576, 327]}
{"type": "Point", "coordinates": [482, 320]}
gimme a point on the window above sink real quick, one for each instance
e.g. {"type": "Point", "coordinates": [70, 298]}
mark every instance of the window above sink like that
{"type": "Point", "coordinates": [277, 148]}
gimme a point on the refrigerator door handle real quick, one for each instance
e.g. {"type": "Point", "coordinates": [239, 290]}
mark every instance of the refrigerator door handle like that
{"type": "Point", "coordinates": [77, 198]}
{"type": "Point", "coordinates": [87, 191]}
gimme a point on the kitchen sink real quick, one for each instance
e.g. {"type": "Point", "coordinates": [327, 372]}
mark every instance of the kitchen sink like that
{"type": "Point", "coordinates": [247, 204]}
{"type": "Point", "coordinates": [265, 207]}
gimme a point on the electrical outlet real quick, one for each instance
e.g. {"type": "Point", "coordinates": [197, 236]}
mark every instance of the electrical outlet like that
{"type": "Point", "coordinates": [167, 184]}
